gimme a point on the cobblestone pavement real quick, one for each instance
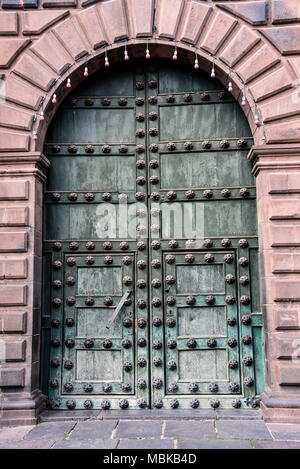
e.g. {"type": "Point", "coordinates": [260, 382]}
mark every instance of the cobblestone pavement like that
{"type": "Point", "coordinates": [122, 430]}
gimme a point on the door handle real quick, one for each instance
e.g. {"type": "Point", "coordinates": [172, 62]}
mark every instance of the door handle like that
{"type": "Point", "coordinates": [118, 308]}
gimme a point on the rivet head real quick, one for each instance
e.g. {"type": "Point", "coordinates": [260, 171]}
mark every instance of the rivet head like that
{"type": "Point", "coordinates": [187, 97]}
{"type": "Point", "coordinates": [123, 148]}
{"type": "Point", "coordinates": [174, 403]}
{"type": "Point", "coordinates": [140, 164]}
{"type": "Point", "coordinates": [88, 404]}
{"type": "Point", "coordinates": [236, 403]}
{"type": "Point", "coordinates": [55, 322]}
{"type": "Point", "coordinates": [157, 383]}
{"type": "Point", "coordinates": [246, 319]}
{"type": "Point", "coordinates": [153, 164]}
{"type": "Point", "coordinates": [105, 404]}
{"type": "Point", "coordinates": [142, 323]}
{"type": "Point", "coordinates": [56, 302]}
{"type": "Point", "coordinates": [171, 344]}
{"type": "Point", "coordinates": [127, 322]}
{"type": "Point", "coordinates": [233, 364]}
{"type": "Point", "coordinates": [158, 403]}
{"type": "Point", "coordinates": [172, 365]}
{"type": "Point", "coordinates": [153, 116]}
{"type": "Point", "coordinates": [70, 322]}
{"type": "Point", "coordinates": [141, 265]}
{"type": "Point", "coordinates": [57, 265]}
{"type": "Point", "coordinates": [209, 258]}
{"type": "Point", "coordinates": [171, 195]}
{"type": "Point", "coordinates": [248, 381]}
{"type": "Point", "coordinates": [188, 145]}
{"type": "Point", "coordinates": [229, 278]}
{"type": "Point", "coordinates": [247, 360]}
{"type": "Point", "coordinates": [108, 260]}
{"type": "Point", "coordinates": [126, 387]}
{"type": "Point", "coordinates": [108, 300]}
{"type": "Point", "coordinates": [156, 302]}
{"type": "Point", "coordinates": [170, 259]}
{"type": "Point", "coordinates": [225, 193]}
{"type": "Point", "coordinates": [244, 192]}
{"type": "Point", "coordinates": [204, 96]}
{"type": "Point", "coordinates": [171, 322]}
{"type": "Point", "coordinates": [107, 343]}
{"type": "Point", "coordinates": [231, 321]}
{"type": "Point", "coordinates": [208, 243]}
{"type": "Point", "coordinates": [139, 101]}
{"type": "Point", "coordinates": [74, 245]}
{"type": "Point", "coordinates": [170, 98]}
{"type": "Point", "coordinates": [170, 280]}
{"type": "Point", "coordinates": [233, 387]}
{"type": "Point", "coordinates": [140, 117]}
{"type": "Point", "coordinates": [206, 144]}
{"type": "Point", "coordinates": [190, 194]}
{"type": "Point", "coordinates": [141, 383]}
{"type": "Point", "coordinates": [193, 387]}
{"type": "Point", "coordinates": [68, 387]}
{"type": "Point", "coordinates": [157, 344]}
{"type": "Point", "coordinates": [211, 343]}
{"type": "Point", "coordinates": [70, 300]}
{"type": "Point", "coordinates": [71, 404]}
{"type": "Point", "coordinates": [88, 387]}
{"type": "Point", "coordinates": [68, 364]}
{"type": "Point", "coordinates": [213, 387]}
{"type": "Point", "coordinates": [243, 261]}
{"type": "Point", "coordinates": [189, 258]}
{"type": "Point", "coordinates": [141, 342]}
{"type": "Point", "coordinates": [89, 301]}
{"type": "Point", "coordinates": [126, 343]}
{"type": "Point", "coordinates": [90, 245]}
{"type": "Point", "coordinates": [155, 228]}
{"type": "Point", "coordinates": [229, 299]}
{"type": "Point", "coordinates": [89, 343]}
{"type": "Point", "coordinates": [72, 149]}
{"type": "Point", "coordinates": [152, 100]}
{"type": "Point", "coordinates": [194, 403]}
{"type": "Point", "coordinates": [191, 343]}
{"type": "Point", "coordinates": [142, 403]}
{"type": "Point", "coordinates": [141, 181]}
{"type": "Point", "coordinates": [214, 403]}
{"type": "Point", "coordinates": [156, 283]}
{"type": "Point", "coordinates": [71, 261]}
{"type": "Point", "coordinates": [141, 245]}
{"type": "Point", "coordinates": [224, 144]}
{"type": "Point", "coordinates": [155, 263]}
{"type": "Point", "coordinates": [207, 193]}
{"type": "Point", "coordinates": [152, 84]}
{"type": "Point", "coordinates": [140, 149]}
{"type": "Point", "coordinates": [124, 404]}
{"type": "Point", "coordinates": [246, 339]}
{"type": "Point", "coordinates": [232, 342]}
{"type": "Point", "coordinates": [127, 260]}
{"type": "Point", "coordinates": [173, 387]}
{"type": "Point", "coordinates": [141, 283]}
{"type": "Point", "coordinates": [157, 361]}
{"type": "Point", "coordinates": [73, 196]}
{"type": "Point", "coordinates": [70, 343]}
{"type": "Point", "coordinates": [222, 95]}
{"type": "Point", "coordinates": [243, 243]}
{"type": "Point", "coordinates": [89, 260]}
{"type": "Point", "coordinates": [245, 300]}
{"type": "Point", "coordinates": [171, 146]}
{"type": "Point", "coordinates": [55, 342]}
{"type": "Point", "coordinates": [210, 299]}
{"type": "Point", "coordinates": [124, 245]}
{"type": "Point", "coordinates": [157, 322]}
{"type": "Point", "coordinates": [55, 148]}
{"type": "Point", "coordinates": [127, 366]}
{"type": "Point", "coordinates": [106, 196]}
{"type": "Point", "coordinates": [173, 244]}
{"type": "Point", "coordinates": [155, 196]}
{"type": "Point", "coordinates": [241, 143]}
{"type": "Point", "coordinates": [139, 85]}
{"type": "Point", "coordinates": [89, 149]}
{"type": "Point", "coordinates": [153, 131]}
{"type": "Point", "coordinates": [141, 303]}
{"type": "Point", "coordinates": [55, 196]}
{"type": "Point", "coordinates": [154, 180]}
{"type": "Point", "coordinates": [155, 245]}
{"type": "Point", "coordinates": [106, 148]}
{"type": "Point", "coordinates": [225, 243]}
{"type": "Point", "coordinates": [57, 246]}
{"type": "Point", "coordinates": [105, 102]}
{"type": "Point", "coordinates": [142, 362]}
{"type": "Point", "coordinates": [228, 258]}
{"type": "Point", "coordinates": [140, 133]}
{"type": "Point", "coordinates": [54, 383]}
{"type": "Point", "coordinates": [127, 280]}
{"type": "Point", "coordinates": [107, 387]}
{"type": "Point", "coordinates": [190, 300]}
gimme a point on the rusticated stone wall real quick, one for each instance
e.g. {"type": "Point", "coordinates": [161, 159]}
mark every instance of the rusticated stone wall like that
{"type": "Point", "coordinates": [44, 42]}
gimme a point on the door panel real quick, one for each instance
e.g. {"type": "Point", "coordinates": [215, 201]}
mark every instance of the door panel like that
{"type": "Point", "coordinates": [150, 228]}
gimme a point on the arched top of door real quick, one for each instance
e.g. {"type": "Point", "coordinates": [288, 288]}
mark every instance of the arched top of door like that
{"type": "Point", "coordinates": [258, 68]}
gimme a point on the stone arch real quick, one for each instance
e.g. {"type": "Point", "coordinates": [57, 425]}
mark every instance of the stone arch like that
{"type": "Point", "coordinates": [257, 68]}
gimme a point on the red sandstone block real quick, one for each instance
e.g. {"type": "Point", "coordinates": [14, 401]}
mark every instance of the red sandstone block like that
{"type": "Point", "coordinates": [283, 262]}
{"type": "Point", "coordinates": [285, 132]}
{"type": "Point", "coordinates": [288, 347]}
{"type": "Point", "coordinates": [286, 11]}
{"type": "Point", "coordinates": [168, 17]}
{"type": "Point", "coordinates": [13, 295]}
{"type": "Point", "coordinates": [15, 351]}
{"type": "Point", "coordinates": [142, 17]}
{"type": "Point", "coordinates": [20, 92]}
{"type": "Point", "coordinates": [35, 22]}
{"type": "Point", "coordinates": [287, 317]}
{"type": "Point", "coordinates": [273, 83]}
{"type": "Point", "coordinates": [289, 375]}
{"type": "Point", "coordinates": [90, 22]}
{"type": "Point", "coordinates": [13, 242]}
{"type": "Point", "coordinates": [196, 17]}
{"type": "Point", "coordinates": [218, 32]}
{"type": "Point", "coordinates": [14, 190]}
{"type": "Point", "coordinates": [114, 19]}
{"type": "Point", "coordinates": [72, 37]}
{"type": "Point", "coordinates": [285, 39]}
{"type": "Point", "coordinates": [286, 290]}
{"type": "Point", "coordinates": [52, 52]}
{"type": "Point", "coordinates": [295, 63]}
{"type": "Point", "coordinates": [31, 69]}
{"type": "Point", "coordinates": [285, 106]}
{"type": "Point", "coordinates": [14, 216]}
{"type": "Point", "coordinates": [8, 24]}
{"type": "Point", "coordinates": [239, 46]}
{"type": "Point", "coordinates": [14, 117]}
{"type": "Point", "coordinates": [294, 181]}
{"type": "Point", "coordinates": [287, 235]}
{"type": "Point", "coordinates": [260, 61]}
{"type": "Point", "coordinates": [14, 142]}
{"type": "Point", "coordinates": [13, 268]}
{"type": "Point", "coordinates": [59, 3]}
{"type": "Point", "coordinates": [10, 49]}
{"type": "Point", "coordinates": [284, 209]}
{"type": "Point", "coordinates": [12, 322]}
{"type": "Point", "coordinates": [12, 377]}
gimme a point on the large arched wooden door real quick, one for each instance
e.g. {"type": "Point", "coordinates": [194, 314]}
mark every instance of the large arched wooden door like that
{"type": "Point", "coordinates": [161, 310]}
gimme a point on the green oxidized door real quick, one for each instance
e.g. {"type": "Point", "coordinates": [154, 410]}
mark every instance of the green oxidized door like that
{"type": "Point", "coordinates": [151, 294]}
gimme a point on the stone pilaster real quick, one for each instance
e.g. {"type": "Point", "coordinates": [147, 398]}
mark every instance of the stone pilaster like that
{"type": "Point", "coordinates": [277, 171]}
{"type": "Point", "coordinates": [21, 193]}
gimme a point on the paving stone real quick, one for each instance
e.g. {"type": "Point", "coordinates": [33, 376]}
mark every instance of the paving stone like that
{"type": "Point", "coordinates": [50, 431]}
{"type": "Point", "coordinates": [242, 429]}
{"type": "Point", "coordinates": [138, 429]}
{"type": "Point", "coordinates": [93, 430]}
{"type": "Point", "coordinates": [14, 433]}
{"type": "Point", "coordinates": [214, 444]}
{"type": "Point", "coordinates": [86, 444]}
{"type": "Point", "coordinates": [146, 444]}
{"type": "Point", "coordinates": [238, 414]}
{"type": "Point", "coordinates": [190, 429]}
{"type": "Point", "coordinates": [28, 444]}
{"type": "Point", "coordinates": [292, 436]}
{"type": "Point", "coordinates": [68, 415]}
{"type": "Point", "coordinates": [152, 414]}
{"type": "Point", "coordinates": [259, 444]}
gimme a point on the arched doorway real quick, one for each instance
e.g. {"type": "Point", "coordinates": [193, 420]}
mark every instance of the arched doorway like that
{"type": "Point", "coordinates": [151, 279]}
